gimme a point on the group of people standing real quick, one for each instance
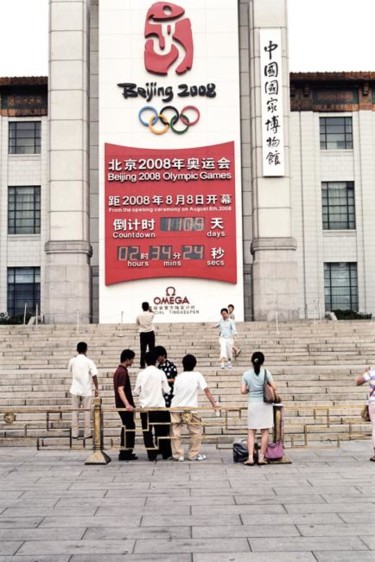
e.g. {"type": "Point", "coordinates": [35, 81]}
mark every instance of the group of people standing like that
{"type": "Point", "coordinates": [161, 428]}
{"type": "Point", "coordinates": [158, 387]}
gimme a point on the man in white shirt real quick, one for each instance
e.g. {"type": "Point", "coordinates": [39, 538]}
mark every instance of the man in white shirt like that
{"type": "Point", "coordinates": [150, 386]}
{"type": "Point", "coordinates": [186, 387]}
{"type": "Point", "coordinates": [146, 331]}
{"type": "Point", "coordinates": [84, 373]}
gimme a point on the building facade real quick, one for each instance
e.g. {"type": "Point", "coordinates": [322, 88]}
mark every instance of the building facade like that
{"type": "Point", "coordinates": [303, 228]}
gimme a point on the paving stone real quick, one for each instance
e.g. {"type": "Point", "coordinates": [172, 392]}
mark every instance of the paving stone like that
{"type": "Point", "coordinates": [307, 544]}
{"type": "Point", "coordinates": [53, 558]}
{"type": "Point", "coordinates": [73, 547]}
{"type": "Point", "coordinates": [255, 557]}
{"type": "Point", "coordinates": [193, 545]}
{"type": "Point", "coordinates": [344, 556]}
{"type": "Point", "coordinates": [125, 532]}
{"type": "Point", "coordinates": [246, 531]}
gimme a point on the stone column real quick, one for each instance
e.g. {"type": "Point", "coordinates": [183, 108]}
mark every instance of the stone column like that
{"type": "Point", "coordinates": [67, 278]}
{"type": "Point", "coordinates": [275, 283]}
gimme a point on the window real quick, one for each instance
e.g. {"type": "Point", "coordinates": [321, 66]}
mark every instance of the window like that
{"type": "Point", "coordinates": [341, 286]}
{"type": "Point", "coordinates": [24, 210]}
{"type": "Point", "coordinates": [24, 137]}
{"type": "Point", "coordinates": [23, 288]}
{"type": "Point", "coordinates": [336, 133]}
{"type": "Point", "coordinates": [338, 205]}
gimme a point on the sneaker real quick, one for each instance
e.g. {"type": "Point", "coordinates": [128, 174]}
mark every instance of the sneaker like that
{"type": "Point", "coordinates": [229, 365]}
{"type": "Point", "coordinates": [180, 459]}
{"type": "Point", "coordinates": [199, 457]}
{"type": "Point", "coordinates": [222, 366]}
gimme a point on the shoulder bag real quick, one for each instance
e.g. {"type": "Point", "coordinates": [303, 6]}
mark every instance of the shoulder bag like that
{"type": "Point", "coordinates": [269, 394]}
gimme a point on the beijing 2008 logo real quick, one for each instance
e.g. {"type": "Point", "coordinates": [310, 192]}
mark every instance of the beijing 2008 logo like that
{"type": "Point", "coordinates": [168, 38]}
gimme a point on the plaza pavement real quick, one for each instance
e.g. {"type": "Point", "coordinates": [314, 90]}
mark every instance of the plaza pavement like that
{"type": "Point", "coordinates": [320, 508]}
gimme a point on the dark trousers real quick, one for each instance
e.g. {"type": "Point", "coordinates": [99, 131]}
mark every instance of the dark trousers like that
{"type": "Point", "coordinates": [156, 426]}
{"type": "Point", "coordinates": [147, 340]}
{"type": "Point", "coordinates": [127, 434]}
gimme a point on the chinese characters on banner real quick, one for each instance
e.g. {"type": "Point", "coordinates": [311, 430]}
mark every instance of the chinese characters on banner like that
{"type": "Point", "coordinates": [272, 102]}
{"type": "Point", "coordinates": [170, 213]}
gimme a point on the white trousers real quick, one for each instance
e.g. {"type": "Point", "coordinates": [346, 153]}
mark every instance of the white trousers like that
{"type": "Point", "coordinates": [86, 402]}
{"type": "Point", "coordinates": [226, 345]}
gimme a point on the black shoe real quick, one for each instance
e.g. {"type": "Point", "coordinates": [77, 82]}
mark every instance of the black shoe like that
{"type": "Point", "coordinates": [131, 457]}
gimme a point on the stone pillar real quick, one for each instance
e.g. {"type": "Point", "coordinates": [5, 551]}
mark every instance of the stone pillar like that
{"type": "Point", "coordinates": [67, 278]}
{"type": "Point", "coordinates": [275, 283]}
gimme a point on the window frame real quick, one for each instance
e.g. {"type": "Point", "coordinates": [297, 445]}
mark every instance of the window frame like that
{"type": "Point", "coordinates": [18, 221]}
{"type": "Point", "coordinates": [332, 207]}
{"type": "Point", "coordinates": [327, 135]}
{"type": "Point", "coordinates": [15, 137]}
{"type": "Point", "coordinates": [14, 298]}
{"type": "Point", "coordinates": [352, 288]}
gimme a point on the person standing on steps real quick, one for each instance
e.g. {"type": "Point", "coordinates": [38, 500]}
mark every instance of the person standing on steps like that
{"type": "Point", "coordinates": [151, 386]}
{"type": "Point", "coordinates": [146, 331]}
{"type": "Point", "coordinates": [236, 350]}
{"type": "Point", "coordinates": [227, 333]}
{"type": "Point", "coordinates": [124, 399]}
{"type": "Point", "coordinates": [84, 373]}
{"type": "Point", "coordinates": [259, 413]}
{"type": "Point", "coordinates": [369, 376]}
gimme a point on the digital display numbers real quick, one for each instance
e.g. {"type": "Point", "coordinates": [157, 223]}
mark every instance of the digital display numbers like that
{"type": "Point", "coordinates": [182, 224]}
{"type": "Point", "coordinates": [164, 253]}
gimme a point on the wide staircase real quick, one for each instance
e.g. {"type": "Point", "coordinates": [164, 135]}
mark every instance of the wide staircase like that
{"type": "Point", "coordinates": [314, 365]}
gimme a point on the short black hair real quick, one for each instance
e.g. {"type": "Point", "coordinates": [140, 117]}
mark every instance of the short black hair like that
{"type": "Point", "coordinates": [223, 310]}
{"type": "Point", "coordinates": [189, 362]}
{"type": "Point", "coordinates": [82, 347]}
{"type": "Point", "coordinates": [126, 354]}
{"type": "Point", "coordinates": [231, 306]}
{"type": "Point", "coordinates": [150, 358]}
{"type": "Point", "coordinates": [159, 350]}
{"type": "Point", "coordinates": [145, 306]}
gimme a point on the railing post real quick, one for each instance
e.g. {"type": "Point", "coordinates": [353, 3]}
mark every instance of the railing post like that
{"type": "Point", "coordinates": [98, 456]}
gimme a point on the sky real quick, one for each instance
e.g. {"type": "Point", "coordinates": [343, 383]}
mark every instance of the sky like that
{"type": "Point", "coordinates": [324, 35]}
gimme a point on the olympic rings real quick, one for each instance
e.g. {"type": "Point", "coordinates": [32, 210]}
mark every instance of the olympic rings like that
{"type": "Point", "coordinates": [168, 123]}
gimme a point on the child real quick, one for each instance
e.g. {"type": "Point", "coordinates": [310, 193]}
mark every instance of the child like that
{"type": "Point", "coordinates": [236, 350]}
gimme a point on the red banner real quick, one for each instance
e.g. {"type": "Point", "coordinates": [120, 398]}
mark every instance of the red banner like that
{"type": "Point", "coordinates": [170, 213]}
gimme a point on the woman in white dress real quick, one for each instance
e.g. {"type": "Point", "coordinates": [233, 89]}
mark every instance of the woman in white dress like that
{"type": "Point", "coordinates": [259, 413]}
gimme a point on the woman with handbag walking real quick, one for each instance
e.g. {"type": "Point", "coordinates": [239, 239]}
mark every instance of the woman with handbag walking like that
{"type": "Point", "coordinates": [260, 412]}
{"type": "Point", "coordinates": [369, 376]}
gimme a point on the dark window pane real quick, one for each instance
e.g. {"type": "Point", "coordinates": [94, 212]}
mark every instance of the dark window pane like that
{"type": "Point", "coordinates": [24, 137]}
{"type": "Point", "coordinates": [341, 286]}
{"type": "Point", "coordinates": [24, 210]}
{"type": "Point", "coordinates": [23, 288]}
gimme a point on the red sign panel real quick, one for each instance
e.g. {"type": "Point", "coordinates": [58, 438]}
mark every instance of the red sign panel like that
{"type": "Point", "coordinates": [170, 213]}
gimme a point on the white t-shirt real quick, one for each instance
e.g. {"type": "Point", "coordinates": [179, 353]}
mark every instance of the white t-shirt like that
{"type": "Point", "coordinates": [145, 321]}
{"type": "Point", "coordinates": [186, 387]}
{"type": "Point", "coordinates": [150, 385]}
{"type": "Point", "coordinates": [82, 369]}
{"type": "Point", "coordinates": [370, 378]}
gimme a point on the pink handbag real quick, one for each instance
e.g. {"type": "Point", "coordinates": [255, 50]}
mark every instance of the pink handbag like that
{"type": "Point", "coordinates": [275, 451]}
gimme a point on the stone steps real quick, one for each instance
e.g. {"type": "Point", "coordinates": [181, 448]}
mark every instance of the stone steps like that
{"type": "Point", "coordinates": [314, 364]}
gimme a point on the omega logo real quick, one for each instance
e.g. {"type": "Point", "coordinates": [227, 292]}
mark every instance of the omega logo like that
{"type": "Point", "coordinates": [171, 298]}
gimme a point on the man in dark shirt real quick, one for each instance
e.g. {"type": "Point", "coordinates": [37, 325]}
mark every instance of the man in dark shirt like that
{"type": "Point", "coordinates": [124, 399]}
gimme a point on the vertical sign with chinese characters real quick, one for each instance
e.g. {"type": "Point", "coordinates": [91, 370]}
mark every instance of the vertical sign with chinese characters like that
{"type": "Point", "coordinates": [272, 102]}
